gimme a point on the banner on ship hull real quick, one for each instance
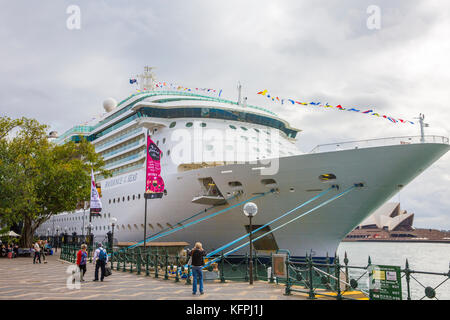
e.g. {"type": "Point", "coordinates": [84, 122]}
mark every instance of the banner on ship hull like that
{"type": "Point", "coordinates": [154, 183]}
{"type": "Point", "coordinates": [96, 204]}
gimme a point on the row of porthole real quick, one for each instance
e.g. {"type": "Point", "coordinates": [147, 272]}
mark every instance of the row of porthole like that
{"type": "Point", "coordinates": [134, 197]}
{"type": "Point", "coordinates": [202, 124]}
{"type": "Point", "coordinates": [188, 124]}
{"type": "Point", "coordinates": [130, 198]}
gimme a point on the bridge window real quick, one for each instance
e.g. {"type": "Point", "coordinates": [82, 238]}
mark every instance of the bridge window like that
{"type": "Point", "coordinates": [173, 124]}
{"type": "Point", "coordinates": [189, 124]}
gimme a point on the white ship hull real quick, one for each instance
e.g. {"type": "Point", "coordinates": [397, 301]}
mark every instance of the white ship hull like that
{"type": "Point", "coordinates": [382, 170]}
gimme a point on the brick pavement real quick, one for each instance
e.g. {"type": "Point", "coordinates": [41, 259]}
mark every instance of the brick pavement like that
{"type": "Point", "coordinates": [20, 279]}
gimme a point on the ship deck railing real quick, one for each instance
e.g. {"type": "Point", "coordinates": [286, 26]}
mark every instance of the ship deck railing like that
{"type": "Point", "coordinates": [380, 142]}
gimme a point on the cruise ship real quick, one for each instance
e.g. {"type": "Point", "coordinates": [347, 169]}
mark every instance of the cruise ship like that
{"type": "Point", "coordinates": [216, 155]}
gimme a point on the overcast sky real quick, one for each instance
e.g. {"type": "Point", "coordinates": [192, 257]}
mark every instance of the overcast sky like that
{"type": "Point", "coordinates": [306, 50]}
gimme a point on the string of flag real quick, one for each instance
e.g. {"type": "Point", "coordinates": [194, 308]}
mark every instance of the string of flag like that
{"type": "Point", "coordinates": [167, 85]}
{"type": "Point", "coordinates": [339, 107]}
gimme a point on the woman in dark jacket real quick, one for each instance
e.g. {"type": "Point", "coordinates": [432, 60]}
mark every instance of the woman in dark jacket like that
{"type": "Point", "coordinates": [197, 255]}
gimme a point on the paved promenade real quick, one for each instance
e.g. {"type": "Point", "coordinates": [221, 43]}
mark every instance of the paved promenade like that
{"type": "Point", "coordinates": [20, 279]}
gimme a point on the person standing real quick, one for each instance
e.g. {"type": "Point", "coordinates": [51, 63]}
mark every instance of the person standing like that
{"type": "Point", "coordinates": [37, 253]}
{"type": "Point", "coordinates": [81, 261]}
{"type": "Point", "coordinates": [197, 255]}
{"type": "Point", "coordinates": [16, 251]}
{"type": "Point", "coordinates": [41, 244]}
{"type": "Point", "coordinates": [100, 259]}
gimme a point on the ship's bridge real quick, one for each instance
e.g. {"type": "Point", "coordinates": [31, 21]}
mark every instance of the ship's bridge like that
{"type": "Point", "coordinates": [170, 105]}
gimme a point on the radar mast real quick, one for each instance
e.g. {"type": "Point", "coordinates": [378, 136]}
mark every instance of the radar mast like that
{"type": "Point", "coordinates": [147, 79]}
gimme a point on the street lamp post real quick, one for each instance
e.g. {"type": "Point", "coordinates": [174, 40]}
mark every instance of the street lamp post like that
{"type": "Point", "coordinates": [57, 238]}
{"type": "Point", "coordinates": [89, 233]}
{"type": "Point", "coordinates": [84, 216]}
{"type": "Point", "coordinates": [250, 210]}
{"type": "Point", "coordinates": [113, 224]}
{"type": "Point", "coordinates": [65, 235]}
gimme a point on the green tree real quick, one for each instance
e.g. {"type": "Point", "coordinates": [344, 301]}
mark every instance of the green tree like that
{"type": "Point", "coordinates": [38, 178]}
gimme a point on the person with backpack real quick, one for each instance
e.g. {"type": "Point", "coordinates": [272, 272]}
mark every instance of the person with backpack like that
{"type": "Point", "coordinates": [82, 260]}
{"type": "Point", "coordinates": [197, 263]}
{"type": "Point", "coordinates": [100, 259]}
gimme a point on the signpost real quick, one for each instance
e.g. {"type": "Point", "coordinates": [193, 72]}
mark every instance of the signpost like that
{"type": "Point", "coordinates": [385, 283]}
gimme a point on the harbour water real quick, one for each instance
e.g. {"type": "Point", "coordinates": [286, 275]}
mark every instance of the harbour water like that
{"type": "Point", "coordinates": [429, 257]}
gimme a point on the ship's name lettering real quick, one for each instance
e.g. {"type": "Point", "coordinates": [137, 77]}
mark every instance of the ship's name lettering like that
{"type": "Point", "coordinates": [121, 180]}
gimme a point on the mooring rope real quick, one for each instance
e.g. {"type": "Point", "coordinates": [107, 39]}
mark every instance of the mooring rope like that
{"type": "Point", "coordinates": [191, 217]}
{"type": "Point", "coordinates": [270, 222]}
{"type": "Point", "coordinates": [202, 219]}
{"type": "Point", "coordinates": [284, 224]}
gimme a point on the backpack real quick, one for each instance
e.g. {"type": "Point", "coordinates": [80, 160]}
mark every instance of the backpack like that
{"type": "Point", "coordinates": [102, 254]}
{"type": "Point", "coordinates": [83, 258]}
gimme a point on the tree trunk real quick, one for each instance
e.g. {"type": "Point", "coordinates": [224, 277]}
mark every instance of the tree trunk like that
{"type": "Point", "coordinates": [26, 241]}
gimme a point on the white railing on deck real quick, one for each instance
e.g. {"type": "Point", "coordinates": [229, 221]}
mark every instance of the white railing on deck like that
{"type": "Point", "coordinates": [379, 143]}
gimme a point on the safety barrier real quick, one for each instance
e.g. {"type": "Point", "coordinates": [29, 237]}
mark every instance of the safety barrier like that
{"type": "Point", "coordinates": [317, 278]}
{"type": "Point", "coordinates": [341, 279]}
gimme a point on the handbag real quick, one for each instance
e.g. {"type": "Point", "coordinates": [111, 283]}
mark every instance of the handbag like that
{"type": "Point", "coordinates": [108, 271]}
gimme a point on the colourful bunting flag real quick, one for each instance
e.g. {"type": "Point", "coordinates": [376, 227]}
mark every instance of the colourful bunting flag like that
{"type": "Point", "coordinates": [340, 107]}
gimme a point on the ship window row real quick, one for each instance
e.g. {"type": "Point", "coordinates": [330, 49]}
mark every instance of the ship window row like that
{"type": "Point", "coordinates": [123, 159]}
{"type": "Point", "coordinates": [201, 113]}
{"type": "Point", "coordinates": [188, 124]}
{"type": "Point", "coordinates": [123, 169]}
{"type": "Point", "coordinates": [115, 126]}
{"type": "Point", "coordinates": [80, 217]}
{"type": "Point", "coordinates": [129, 198]}
{"type": "Point", "coordinates": [116, 140]}
{"type": "Point", "coordinates": [123, 147]}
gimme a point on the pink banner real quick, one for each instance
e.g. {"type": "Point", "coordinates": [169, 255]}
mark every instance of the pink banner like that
{"type": "Point", "coordinates": [154, 186]}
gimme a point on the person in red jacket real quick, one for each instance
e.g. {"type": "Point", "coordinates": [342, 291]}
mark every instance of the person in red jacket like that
{"type": "Point", "coordinates": [82, 260]}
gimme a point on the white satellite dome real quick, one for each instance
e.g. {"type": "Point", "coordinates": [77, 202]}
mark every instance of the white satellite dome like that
{"type": "Point", "coordinates": [109, 104]}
